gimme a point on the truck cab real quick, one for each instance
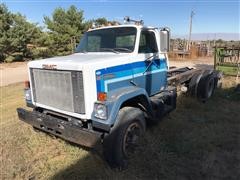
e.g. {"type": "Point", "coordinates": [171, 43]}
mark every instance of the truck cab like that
{"type": "Point", "coordinates": [107, 59]}
{"type": "Point", "coordinates": [106, 92]}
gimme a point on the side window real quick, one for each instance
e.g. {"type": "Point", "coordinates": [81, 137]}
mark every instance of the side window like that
{"type": "Point", "coordinates": [147, 43]}
{"type": "Point", "coordinates": [94, 43]}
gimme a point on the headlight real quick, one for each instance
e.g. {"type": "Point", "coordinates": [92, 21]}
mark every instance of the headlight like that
{"type": "Point", "coordinates": [27, 93]}
{"type": "Point", "coordinates": [100, 111]}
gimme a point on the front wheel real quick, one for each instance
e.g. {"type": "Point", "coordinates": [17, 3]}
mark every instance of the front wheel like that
{"type": "Point", "coordinates": [124, 137]}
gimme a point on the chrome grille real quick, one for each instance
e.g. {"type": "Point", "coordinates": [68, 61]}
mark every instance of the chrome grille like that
{"type": "Point", "coordinates": [59, 89]}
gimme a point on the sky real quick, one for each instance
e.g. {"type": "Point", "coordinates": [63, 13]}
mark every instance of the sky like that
{"type": "Point", "coordinates": [211, 16]}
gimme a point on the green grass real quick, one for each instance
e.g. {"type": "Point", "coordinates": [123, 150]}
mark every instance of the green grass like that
{"type": "Point", "coordinates": [196, 141]}
{"type": "Point", "coordinates": [228, 70]}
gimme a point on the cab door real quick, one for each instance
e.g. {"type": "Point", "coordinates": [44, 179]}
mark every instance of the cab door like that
{"type": "Point", "coordinates": [150, 71]}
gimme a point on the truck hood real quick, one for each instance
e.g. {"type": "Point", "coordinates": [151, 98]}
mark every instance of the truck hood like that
{"type": "Point", "coordinates": [77, 61]}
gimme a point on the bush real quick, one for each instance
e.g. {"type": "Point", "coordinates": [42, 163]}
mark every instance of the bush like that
{"type": "Point", "coordinates": [18, 56]}
{"type": "Point", "coordinates": [9, 59]}
{"type": "Point", "coordinates": [39, 53]}
{"type": "Point", "coordinates": [64, 53]}
{"type": "Point", "coordinates": [13, 57]}
{"type": "Point", "coordinates": [2, 58]}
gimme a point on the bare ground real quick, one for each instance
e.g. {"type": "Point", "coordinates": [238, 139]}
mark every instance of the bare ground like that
{"type": "Point", "coordinates": [17, 72]}
{"type": "Point", "coordinates": [13, 73]}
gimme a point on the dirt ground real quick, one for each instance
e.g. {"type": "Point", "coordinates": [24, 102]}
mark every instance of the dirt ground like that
{"type": "Point", "coordinates": [196, 63]}
{"type": "Point", "coordinates": [17, 72]}
{"type": "Point", "coordinates": [13, 72]}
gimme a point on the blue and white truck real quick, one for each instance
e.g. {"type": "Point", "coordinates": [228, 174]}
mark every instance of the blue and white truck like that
{"type": "Point", "coordinates": [117, 82]}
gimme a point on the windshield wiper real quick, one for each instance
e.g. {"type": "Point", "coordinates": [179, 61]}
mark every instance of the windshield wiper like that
{"type": "Point", "coordinates": [123, 49]}
{"type": "Point", "coordinates": [109, 49]}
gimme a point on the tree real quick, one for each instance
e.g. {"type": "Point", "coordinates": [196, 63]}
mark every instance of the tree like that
{"type": "Point", "coordinates": [64, 30]}
{"type": "Point", "coordinates": [16, 33]}
{"type": "Point", "coordinates": [23, 33]}
{"type": "Point", "coordinates": [101, 21]}
{"type": "Point", "coordinates": [6, 21]}
{"type": "Point", "coordinates": [63, 26]}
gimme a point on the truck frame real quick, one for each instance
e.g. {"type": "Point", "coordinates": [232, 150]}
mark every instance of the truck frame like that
{"type": "Point", "coordinates": [107, 93]}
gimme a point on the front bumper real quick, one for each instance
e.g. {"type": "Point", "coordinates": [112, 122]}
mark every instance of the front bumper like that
{"type": "Point", "coordinates": [64, 129]}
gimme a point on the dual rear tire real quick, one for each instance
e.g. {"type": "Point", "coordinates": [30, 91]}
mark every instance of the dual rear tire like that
{"type": "Point", "coordinates": [206, 87]}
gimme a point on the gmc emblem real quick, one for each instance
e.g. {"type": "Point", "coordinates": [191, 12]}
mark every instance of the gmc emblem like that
{"type": "Point", "coordinates": [49, 66]}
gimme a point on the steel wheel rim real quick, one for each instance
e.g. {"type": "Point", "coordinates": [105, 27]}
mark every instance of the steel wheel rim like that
{"type": "Point", "coordinates": [131, 138]}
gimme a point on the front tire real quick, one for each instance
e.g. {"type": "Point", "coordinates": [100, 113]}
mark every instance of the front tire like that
{"type": "Point", "coordinates": [121, 143]}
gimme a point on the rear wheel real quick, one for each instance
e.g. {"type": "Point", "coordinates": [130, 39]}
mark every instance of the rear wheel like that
{"type": "Point", "coordinates": [124, 137]}
{"type": "Point", "coordinates": [206, 87]}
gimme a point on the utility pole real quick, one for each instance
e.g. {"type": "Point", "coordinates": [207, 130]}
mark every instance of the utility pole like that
{"type": "Point", "coordinates": [190, 30]}
{"type": "Point", "coordinates": [214, 44]}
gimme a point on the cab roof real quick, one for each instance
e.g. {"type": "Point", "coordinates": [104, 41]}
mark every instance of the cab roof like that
{"type": "Point", "coordinates": [122, 25]}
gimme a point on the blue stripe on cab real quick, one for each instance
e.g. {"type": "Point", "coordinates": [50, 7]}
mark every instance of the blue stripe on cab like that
{"type": "Point", "coordinates": [114, 77]}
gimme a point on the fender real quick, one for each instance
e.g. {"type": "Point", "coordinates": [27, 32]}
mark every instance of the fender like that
{"type": "Point", "coordinates": [114, 102]}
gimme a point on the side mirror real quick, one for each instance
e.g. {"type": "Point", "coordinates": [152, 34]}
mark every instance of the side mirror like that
{"type": "Point", "coordinates": [164, 39]}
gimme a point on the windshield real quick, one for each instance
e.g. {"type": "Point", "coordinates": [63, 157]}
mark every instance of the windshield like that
{"type": "Point", "coordinates": [114, 40]}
